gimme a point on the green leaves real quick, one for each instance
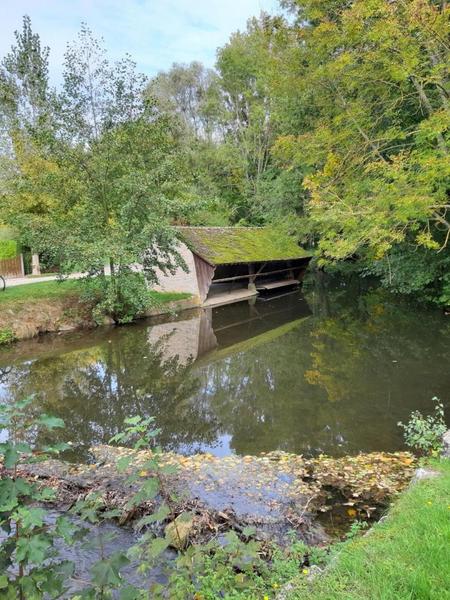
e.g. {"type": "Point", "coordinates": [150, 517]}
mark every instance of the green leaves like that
{"type": "Point", "coordinates": [156, 547]}
{"type": "Point", "coordinates": [107, 572]}
{"type": "Point", "coordinates": [29, 518]}
{"type": "Point", "coordinates": [11, 491]}
{"type": "Point", "coordinates": [424, 433]}
{"type": "Point", "coordinates": [148, 491]}
{"type": "Point", "coordinates": [49, 422]}
{"type": "Point", "coordinates": [66, 529]}
{"type": "Point", "coordinates": [160, 515]}
{"type": "Point", "coordinates": [33, 549]}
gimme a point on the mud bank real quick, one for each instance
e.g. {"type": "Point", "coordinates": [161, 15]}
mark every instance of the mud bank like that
{"type": "Point", "coordinates": [27, 320]}
{"type": "Point", "coordinates": [276, 492]}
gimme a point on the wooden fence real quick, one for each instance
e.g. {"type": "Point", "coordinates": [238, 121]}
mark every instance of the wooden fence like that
{"type": "Point", "coordinates": [12, 267]}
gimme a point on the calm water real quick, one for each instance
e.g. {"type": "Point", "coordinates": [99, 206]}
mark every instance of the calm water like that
{"type": "Point", "coordinates": [329, 369]}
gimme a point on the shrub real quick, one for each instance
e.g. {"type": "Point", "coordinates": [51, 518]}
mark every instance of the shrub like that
{"type": "Point", "coordinates": [424, 433]}
{"type": "Point", "coordinates": [30, 566]}
{"type": "Point", "coordinates": [122, 297]}
{"type": "Point", "coordinates": [8, 249]}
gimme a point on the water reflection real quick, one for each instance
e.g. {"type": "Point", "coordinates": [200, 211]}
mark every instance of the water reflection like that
{"type": "Point", "coordinates": [330, 370]}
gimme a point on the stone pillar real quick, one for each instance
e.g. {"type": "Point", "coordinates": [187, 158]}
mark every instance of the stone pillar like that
{"type": "Point", "coordinates": [22, 266]}
{"type": "Point", "coordinates": [446, 444]}
{"type": "Point", "coordinates": [35, 265]}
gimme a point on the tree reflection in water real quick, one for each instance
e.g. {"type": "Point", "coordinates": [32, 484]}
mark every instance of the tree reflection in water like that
{"type": "Point", "coordinates": [334, 375]}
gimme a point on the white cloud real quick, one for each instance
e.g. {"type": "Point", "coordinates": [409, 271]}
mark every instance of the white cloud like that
{"type": "Point", "coordinates": [155, 32]}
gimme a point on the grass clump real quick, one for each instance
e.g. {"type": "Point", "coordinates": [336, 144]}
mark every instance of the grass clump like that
{"type": "Point", "coordinates": [7, 336]}
{"type": "Point", "coordinates": [165, 297]}
{"type": "Point", "coordinates": [405, 557]}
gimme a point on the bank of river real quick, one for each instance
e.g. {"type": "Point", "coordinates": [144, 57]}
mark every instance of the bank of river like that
{"type": "Point", "coordinates": [33, 309]}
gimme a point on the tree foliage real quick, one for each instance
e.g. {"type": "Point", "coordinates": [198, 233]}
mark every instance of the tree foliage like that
{"type": "Point", "coordinates": [332, 119]}
{"type": "Point", "coordinates": [97, 181]}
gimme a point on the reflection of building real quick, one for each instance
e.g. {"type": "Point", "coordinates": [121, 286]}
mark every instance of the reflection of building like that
{"type": "Point", "coordinates": [228, 264]}
{"type": "Point", "coordinates": [187, 339]}
{"type": "Point", "coordinates": [225, 331]}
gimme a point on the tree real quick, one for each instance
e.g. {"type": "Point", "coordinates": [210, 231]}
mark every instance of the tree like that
{"type": "Point", "coordinates": [24, 109]}
{"type": "Point", "coordinates": [231, 120]}
{"type": "Point", "coordinates": [190, 91]}
{"type": "Point", "coordinates": [24, 88]}
{"type": "Point", "coordinates": [111, 167]}
{"type": "Point", "coordinates": [378, 145]}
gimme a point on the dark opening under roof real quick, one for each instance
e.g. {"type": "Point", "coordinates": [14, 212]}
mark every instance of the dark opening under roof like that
{"type": "Point", "coordinates": [231, 245]}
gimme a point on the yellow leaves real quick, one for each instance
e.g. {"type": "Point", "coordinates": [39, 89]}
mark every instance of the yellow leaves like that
{"type": "Point", "coordinates": [332, 165]}
{"type": "Point", "coordinates": [425, 239]}
{"type": "Point", "coordinates": [351, 513]}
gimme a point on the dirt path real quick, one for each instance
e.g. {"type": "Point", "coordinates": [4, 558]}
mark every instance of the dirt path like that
{"type": "Point", "coordinates": [13, 281]}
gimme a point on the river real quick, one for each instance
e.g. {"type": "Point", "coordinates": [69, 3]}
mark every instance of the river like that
{"type": "Point", "coordinates": [328, 369]}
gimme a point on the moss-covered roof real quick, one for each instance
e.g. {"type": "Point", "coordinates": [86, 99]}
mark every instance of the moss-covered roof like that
{"type": "Point", "coordinates": [231, 245]}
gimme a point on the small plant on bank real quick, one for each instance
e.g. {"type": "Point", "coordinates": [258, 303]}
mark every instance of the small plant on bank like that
{"type": "Point", "coordinates": [6, 336]}
{"type": "Point", "coordinates": [29, 564]}
{"type": "Point", "coordinates": [424, 433]}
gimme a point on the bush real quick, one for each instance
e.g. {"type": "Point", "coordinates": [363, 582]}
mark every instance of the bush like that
{"type": "Point", "coordinates": [123, 297]}
{"type": "Point", "coordinates": [8, 249]}
{"type": "Point", "coordinates": [30, 565]}
{"type": "Point", "coordinates": [424, 434]}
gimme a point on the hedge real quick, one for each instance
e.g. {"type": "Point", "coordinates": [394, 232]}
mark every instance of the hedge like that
{"type": "Point", "coordinates": [8, 249]}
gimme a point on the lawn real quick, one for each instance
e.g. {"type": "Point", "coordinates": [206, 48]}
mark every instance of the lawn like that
{"type": "Point", "coordinates": [47, 290]}
{"type": "Point", "coordinates": [40, 291]}
{"type": "Point", "coordinates": [405, 557]}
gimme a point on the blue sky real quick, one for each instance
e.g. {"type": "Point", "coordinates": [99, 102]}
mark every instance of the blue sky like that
{"type": "Point", "coordinates": [155, 32]}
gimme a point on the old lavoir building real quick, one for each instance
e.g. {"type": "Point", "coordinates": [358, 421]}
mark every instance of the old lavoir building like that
{"type": "Point", "coordinates": [229, 264]}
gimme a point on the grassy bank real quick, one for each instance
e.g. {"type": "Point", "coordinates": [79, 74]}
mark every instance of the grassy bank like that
{"type": "Point", "coordinates": [44, 290]}
{"type": "Point", "coordinates": [50, 306]}
{"type": "Point", "coordinates": [405, 557]}
{"type": "Point", "coordinates": [48, 290]}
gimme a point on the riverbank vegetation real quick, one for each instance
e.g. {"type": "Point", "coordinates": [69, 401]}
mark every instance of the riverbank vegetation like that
{"type": "Point", "coordinates": [219, 552]}
{"type": "Point", "coordinates": [405, 556]}
{"type": "Point", "coordinates": [33, 308]}
{"type": "Point", "coordinates": [329, 120]}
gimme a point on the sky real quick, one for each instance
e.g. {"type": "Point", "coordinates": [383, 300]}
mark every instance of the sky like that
{"type": "Point", "coordinates": [156, 33]}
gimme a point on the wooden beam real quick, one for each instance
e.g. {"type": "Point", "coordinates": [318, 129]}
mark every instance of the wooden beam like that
{"type": "Point", "coordinates": [262, 274]}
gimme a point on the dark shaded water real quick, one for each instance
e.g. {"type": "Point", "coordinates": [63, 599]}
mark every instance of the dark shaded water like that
{"type": "Point", "coordinates": [329, 369]}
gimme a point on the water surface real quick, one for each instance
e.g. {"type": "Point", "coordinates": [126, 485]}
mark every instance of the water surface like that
{"type": "Point", "coordinates": [331, 368]}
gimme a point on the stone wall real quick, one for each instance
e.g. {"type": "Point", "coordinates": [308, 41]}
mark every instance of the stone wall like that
{"type": "Point", "coordinates": [181, 281]}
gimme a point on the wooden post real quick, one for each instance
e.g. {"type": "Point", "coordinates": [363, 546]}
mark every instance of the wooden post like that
{"type": "Point", "coordinates": [251, 277]}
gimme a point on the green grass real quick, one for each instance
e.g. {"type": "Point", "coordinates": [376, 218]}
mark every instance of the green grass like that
{"type": "Point", "coordinates": [406, 557]}
{"type": "Point", "coordinates": [48, 290]}
{"type": "Point", "coordinates": [40, 291]}
{"type": "Point", "coordinates": [164, 297]}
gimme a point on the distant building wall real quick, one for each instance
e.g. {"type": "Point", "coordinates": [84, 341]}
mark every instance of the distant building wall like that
{"type": "Point", "coordinates": [180, 281]}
